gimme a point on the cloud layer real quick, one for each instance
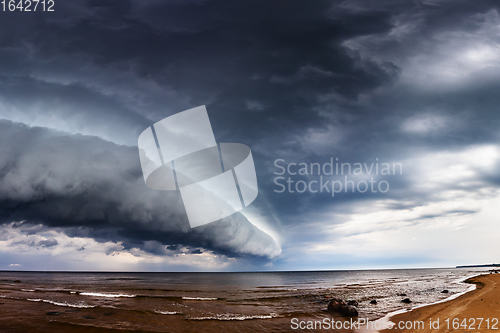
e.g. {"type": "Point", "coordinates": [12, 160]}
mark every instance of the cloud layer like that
{"type": "Point", "coordinates": [403, 82]}
{"type": "Point", "coordinates": [93, 188]}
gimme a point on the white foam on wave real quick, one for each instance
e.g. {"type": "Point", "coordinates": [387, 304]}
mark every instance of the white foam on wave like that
{"type": "Point", "coordinates": [106, 295]}
{"type": "Point", "coordinates": [200, 298]}
{"type": "Point", "coordinates": [235, 316]}
{"type": "Point", "coordinates": [167, 312]}
{"type": "Point", "coordinates": [80, 305]}
{"type": "Point", "coordinates": [28, 290]}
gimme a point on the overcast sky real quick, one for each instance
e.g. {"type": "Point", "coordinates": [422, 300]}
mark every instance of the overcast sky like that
{"type": "Point", "coordinates": [412, 83]}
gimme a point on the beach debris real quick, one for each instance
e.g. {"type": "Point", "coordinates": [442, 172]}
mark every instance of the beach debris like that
{"type": "Point", "coordinates": [445, 291]}
{"type": "Point", "coordinates": [406, 300]}
{"type": "Point", "coordinates": [338, 305]}
{"type": "Point", "coordinates": [373, 301]}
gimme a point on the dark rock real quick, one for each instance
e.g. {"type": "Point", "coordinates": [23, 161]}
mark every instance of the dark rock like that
{"type": "Point", "coordinates": [402, 295]}
{"type": "Point", "coordinates": [445, 291]}
{"type": "Point", "coordinates": [53, 313]}
{"type": "Point", "coordinates": [17, 281]}
{"type": "Point", "coordinates": [341, 307]}
{"type": "Point", "coordinates": [406, 300]}
{"type": "Point", "coordinates": [336, 305]}
{"type": "Point", "coordinates": [373, 301]}
{"type": "Point", "coordinates": [351, 311]}
{"type": "Point", "coordinates": [352, 302]}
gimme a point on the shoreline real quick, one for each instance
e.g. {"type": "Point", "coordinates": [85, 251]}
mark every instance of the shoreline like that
{"type": "Point", "coordinates": [387, 318]}
{"type": "Point", "coordinates": [468, 305]}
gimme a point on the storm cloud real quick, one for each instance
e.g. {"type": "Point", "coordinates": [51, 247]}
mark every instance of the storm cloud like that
{"type": "Point", "coordinates": [95, 188]}
{"type": "Point", "coordinates": [410, 82]}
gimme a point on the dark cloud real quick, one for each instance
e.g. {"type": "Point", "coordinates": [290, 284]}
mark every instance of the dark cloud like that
{"type": "Point", "coordinates": [301, 81]}
{"type": "Point", "coordinates": [250, 52]}
{"type": "Point", "coordinates": [48, 243]}
{"type": "Point", "coordinates": [95, 189]}
{"type": "Point", "coordinates": [172, 247]}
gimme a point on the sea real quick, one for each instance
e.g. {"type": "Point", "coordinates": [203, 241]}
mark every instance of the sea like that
{"type": "Point", "coordinates": [211, 302]}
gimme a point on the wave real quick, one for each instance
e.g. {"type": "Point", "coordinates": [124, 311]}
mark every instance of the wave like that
{"type": "Point", "coordinates": [107, 295]}
{"type": "Point", "coordinates": [80, 305]}
{"type": "Point", "coordinates": [200, 298]}
{"type": "Point", "coordinates": [42, 290]}
{"type": "Point", "coordinates": [167, 312]}
{"type": "Point", "coordinates": [268, 298]}
{"type": "Point", "coordinates": [236, 316]}
{"type": "Point", "coordinates": [276, 290]}
{"type": "Point", "coordinates": [160, 296]}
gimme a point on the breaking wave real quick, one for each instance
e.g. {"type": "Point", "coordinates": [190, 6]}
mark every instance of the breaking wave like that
{"type": "Point", "coordinates": [106, 295]}
{"type": "Point", "coordinates": [79, 305]}
{"type": "Point", "coordinates": [235, 316]}
{"type": "Point", "coordinates": [200, 298]}
{"type": "Point", "coordinates": [167, 312]}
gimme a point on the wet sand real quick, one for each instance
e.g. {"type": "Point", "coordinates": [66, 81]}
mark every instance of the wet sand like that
{"type": "Point", "coordinates": [483, 302]}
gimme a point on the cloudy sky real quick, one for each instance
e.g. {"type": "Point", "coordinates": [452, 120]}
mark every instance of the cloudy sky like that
{"type": "Point", "coordinates": [412, 83]}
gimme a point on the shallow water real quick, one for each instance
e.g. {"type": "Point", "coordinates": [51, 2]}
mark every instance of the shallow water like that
{"type": "Point", "coordinates": [209, 302]}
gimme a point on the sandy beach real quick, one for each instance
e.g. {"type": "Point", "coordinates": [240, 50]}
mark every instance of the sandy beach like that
{"type": "Point", "coordinates": [476, 311]}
